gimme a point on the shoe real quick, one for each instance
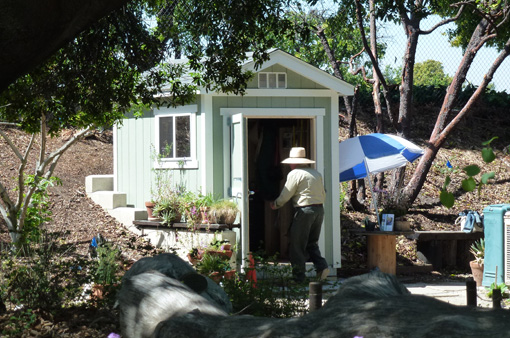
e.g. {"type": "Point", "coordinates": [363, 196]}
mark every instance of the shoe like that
{"type": "Point", "coordinates": [322, 274]}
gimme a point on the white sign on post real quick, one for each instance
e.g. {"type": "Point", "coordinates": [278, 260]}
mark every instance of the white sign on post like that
{"type": "Point", "coordinates": [387, 222]}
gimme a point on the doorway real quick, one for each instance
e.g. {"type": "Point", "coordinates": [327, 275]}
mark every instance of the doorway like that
{"type": "Point", "coordinates": [269, 142]}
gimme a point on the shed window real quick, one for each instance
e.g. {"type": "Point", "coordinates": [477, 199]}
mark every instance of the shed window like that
{"type": "Point", "coordinates": [174, 136]}
{"type": "Point", "coordinates": [175, 140]}
{"type": "Point", "coordinates": [272, 80]}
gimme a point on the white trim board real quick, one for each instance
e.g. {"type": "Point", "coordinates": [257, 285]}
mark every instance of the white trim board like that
{"type": "Point", "coordinates": [275, 112]}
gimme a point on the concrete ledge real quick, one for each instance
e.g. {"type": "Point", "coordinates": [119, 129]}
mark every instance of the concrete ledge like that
{"type": "Point", "coordinates": [109, 199]}
{"type": "Point", "coordinates": [127, 215]}
{"type": "Point", "coordinates": [95, 183]}
{"type": "Point", "coordinates": [181, 241]}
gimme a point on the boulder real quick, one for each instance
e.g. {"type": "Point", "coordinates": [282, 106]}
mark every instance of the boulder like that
{"type": "Point", "coordinates": [370, 305]}
{"type": "Point", "coordinates": [174, 267]}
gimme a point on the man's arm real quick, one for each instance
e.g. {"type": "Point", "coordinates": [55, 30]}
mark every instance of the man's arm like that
{"type": "Point", "coordinates": [288, 191]}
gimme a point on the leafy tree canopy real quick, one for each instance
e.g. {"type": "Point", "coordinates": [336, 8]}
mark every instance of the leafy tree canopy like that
{"type": "Point", "coordinates": [120, 61]}
{"type": "Point", "coordinates": [430, 73]}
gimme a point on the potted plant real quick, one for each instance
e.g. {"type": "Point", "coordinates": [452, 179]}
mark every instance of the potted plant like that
{"type": "Point", "coordinates": [204, 203]}
{"type": "Point", "coordinates": [224, 211]}
{"type": "Point", "coordinates": [220, 248]}
{"type": "Point", "coordinates": [478, 251]}
{"type": "Point", "coordinates": [195, 255]}
{"type": "Point", "coordinates": [191, 208]}
{"type": "Point", "coordinates": [213, 266]}
{"type": "Point", "coordinates": [169, 208]}
{"type": "Point", "coordinates": [105, 275]}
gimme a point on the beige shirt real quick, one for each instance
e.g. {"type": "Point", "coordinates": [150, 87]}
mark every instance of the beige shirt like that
{"type": "Point", "coordinates": [304, 186]}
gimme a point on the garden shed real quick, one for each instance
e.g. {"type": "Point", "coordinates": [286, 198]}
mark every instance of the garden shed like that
{"type": "Point", "coordinates": [231, 146]}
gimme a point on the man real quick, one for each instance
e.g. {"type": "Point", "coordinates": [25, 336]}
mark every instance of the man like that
{"type": "Point", "coordinates": [305, 187]}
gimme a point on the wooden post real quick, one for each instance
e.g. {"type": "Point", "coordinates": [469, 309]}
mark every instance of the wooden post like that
{"type": "Point", "coordinates": [471, 292]}
{"type": "Point", "coordinates": [382, 253]}
{"type": "Point", "coordinates": [496, 299]}
{"type": "Point", "coordinates": [315, 296]}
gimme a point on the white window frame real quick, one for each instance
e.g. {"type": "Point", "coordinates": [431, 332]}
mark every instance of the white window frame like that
{"type": "Point", "coordinates": [177, 162]}
{"type": "Point", "coordinates": [267, 80]}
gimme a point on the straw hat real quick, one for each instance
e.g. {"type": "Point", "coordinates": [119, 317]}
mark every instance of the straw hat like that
{"type": "Point", "coordinates": [297, 155]}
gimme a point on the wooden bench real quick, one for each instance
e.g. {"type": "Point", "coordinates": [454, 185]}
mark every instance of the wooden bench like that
{"type": "Point", "coordinates": [445, 248]}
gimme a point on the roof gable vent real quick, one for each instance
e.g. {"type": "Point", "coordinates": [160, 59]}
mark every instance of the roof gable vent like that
{"type": "Point", "coordinates": [272, 80]}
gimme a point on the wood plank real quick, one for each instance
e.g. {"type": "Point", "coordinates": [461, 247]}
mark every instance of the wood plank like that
{"type": "Point", "coordinates": [382, 253]}
{"type": "Point", "coordinates": [156, 224]}
{"type": "Point", "coordinates": [445, 235]}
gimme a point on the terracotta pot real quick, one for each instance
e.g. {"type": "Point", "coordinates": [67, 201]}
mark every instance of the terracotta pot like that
{"type": "Point", "coordinates": [100, 291]}
{"type": "Point", "coordinates": [226, 253]}
{"type": "Point", "coordinates": [194, 259]}
{"type": "Point", "coordinates": [150, 207]}
{"type": "Point", "coordinates": [216, 277]}
{"type": "Point", "coordinates": [229, 274]}
{"type": "Point", "coordinates": [477, 271]}
{"type": "Point", "coordinates": [402, 225]}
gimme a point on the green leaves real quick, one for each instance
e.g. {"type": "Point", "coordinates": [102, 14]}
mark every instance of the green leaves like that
{"type": "Point", "coordinates": [470, 183]}
{"type": "Point", "coordinates": [447, 199]}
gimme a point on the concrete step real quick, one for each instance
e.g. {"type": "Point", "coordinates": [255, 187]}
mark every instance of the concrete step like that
{"type": "Point", "coordinates": [95, 183]}
{"type": "Point", "coordinates": [109, 199]}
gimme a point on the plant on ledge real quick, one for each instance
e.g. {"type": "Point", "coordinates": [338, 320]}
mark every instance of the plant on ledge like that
{"type": "Point", "coordinates": [224, 211]}
{"type": "Point", "coordinates": [169, 208]}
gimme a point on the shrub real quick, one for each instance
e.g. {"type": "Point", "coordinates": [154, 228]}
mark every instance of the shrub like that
{"type": "Point", "coordinates": [274, 295]}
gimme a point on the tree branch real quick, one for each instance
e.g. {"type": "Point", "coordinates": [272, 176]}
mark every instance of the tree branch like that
{"type": "Point", "coordinates": [54, 156]}
{"type": "Point", "coordinates": [21, 172]}
{"type": "Point", "coordinates": [478, 92]}
{"type": "Point", "coordinates": [11, 145]}
{"type": "Point", "coordinates": [443, 22]}
{"type": "Point", "coordinates": [8, 204]}
{"type": "Point", "coordinates": [367, 47]}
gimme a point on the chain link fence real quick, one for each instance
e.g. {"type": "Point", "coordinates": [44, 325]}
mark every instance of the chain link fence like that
{"type": "Point", "coordinates": [435, 46]}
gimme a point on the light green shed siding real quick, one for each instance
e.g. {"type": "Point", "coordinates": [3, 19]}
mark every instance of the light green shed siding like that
{"type": "Point", "coordinates": [136, 139]}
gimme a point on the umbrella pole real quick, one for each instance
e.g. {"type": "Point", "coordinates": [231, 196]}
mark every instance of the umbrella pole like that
{"type": "Point", "coordinates": [374, 200]}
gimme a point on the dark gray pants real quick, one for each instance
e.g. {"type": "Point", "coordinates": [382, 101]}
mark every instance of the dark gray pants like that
{"type": "Point", "coordinates": [304, 236]}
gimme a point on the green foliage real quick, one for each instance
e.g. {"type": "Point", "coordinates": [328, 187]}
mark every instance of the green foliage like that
{"type": "Point", "coordinates": [430, 73]}
{"type": "Point", "coordinates": [502, 287]}
{"type": "Point", "coordinates": [211, 262]}
{"type": "Point", "coordinates": [106, 266]}
{"type": "Point", "coordinates": [169, 207]}
{"type": "Point", "coordinates": [469, 183]}
{"type": "Point", "coordinates": [37, 212]}
{"type": "Point", "coordinates": [40, 278]}
{"type": "Point", "coordinates": [274, 295]}
{"type": "Point", "coordinates": [340, 30]}
{"type": "Point", "coordinates": [344, 189]}
{"type": "Point", "coordinates": [18, 323]}
{"type": "Point", "coordinates": [478, 251]}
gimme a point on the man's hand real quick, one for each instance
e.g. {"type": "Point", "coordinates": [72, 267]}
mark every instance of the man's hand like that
{"type": "Point", "coordinates": [272, 205]}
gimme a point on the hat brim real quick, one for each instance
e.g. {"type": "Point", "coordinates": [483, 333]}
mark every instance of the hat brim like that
{"type": "Point", "coordinates": [297, 160]}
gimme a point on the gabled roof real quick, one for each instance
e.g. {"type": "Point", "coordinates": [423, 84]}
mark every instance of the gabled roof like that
{"type": "Point", "coordinates": [293, 63]}
{"type": "Point", "coordinates": [305, 69]}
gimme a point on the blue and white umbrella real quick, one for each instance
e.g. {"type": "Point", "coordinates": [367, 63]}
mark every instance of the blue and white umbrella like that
{"type": "Point", "coordinates": [363, 155]}
{"type": "Point", "coordinates": [374, 153]}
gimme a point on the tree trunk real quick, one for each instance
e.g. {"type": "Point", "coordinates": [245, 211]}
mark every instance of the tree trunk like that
{"type": "Point", "coordinates": [444, 126]}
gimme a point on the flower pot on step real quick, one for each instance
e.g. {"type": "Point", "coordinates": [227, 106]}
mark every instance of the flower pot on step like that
{"type": "Point", "coordinates": [477, 271]}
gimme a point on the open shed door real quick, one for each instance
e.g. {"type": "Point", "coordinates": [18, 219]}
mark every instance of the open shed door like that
{"type": "Point", "coordinates": [239, 177]}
